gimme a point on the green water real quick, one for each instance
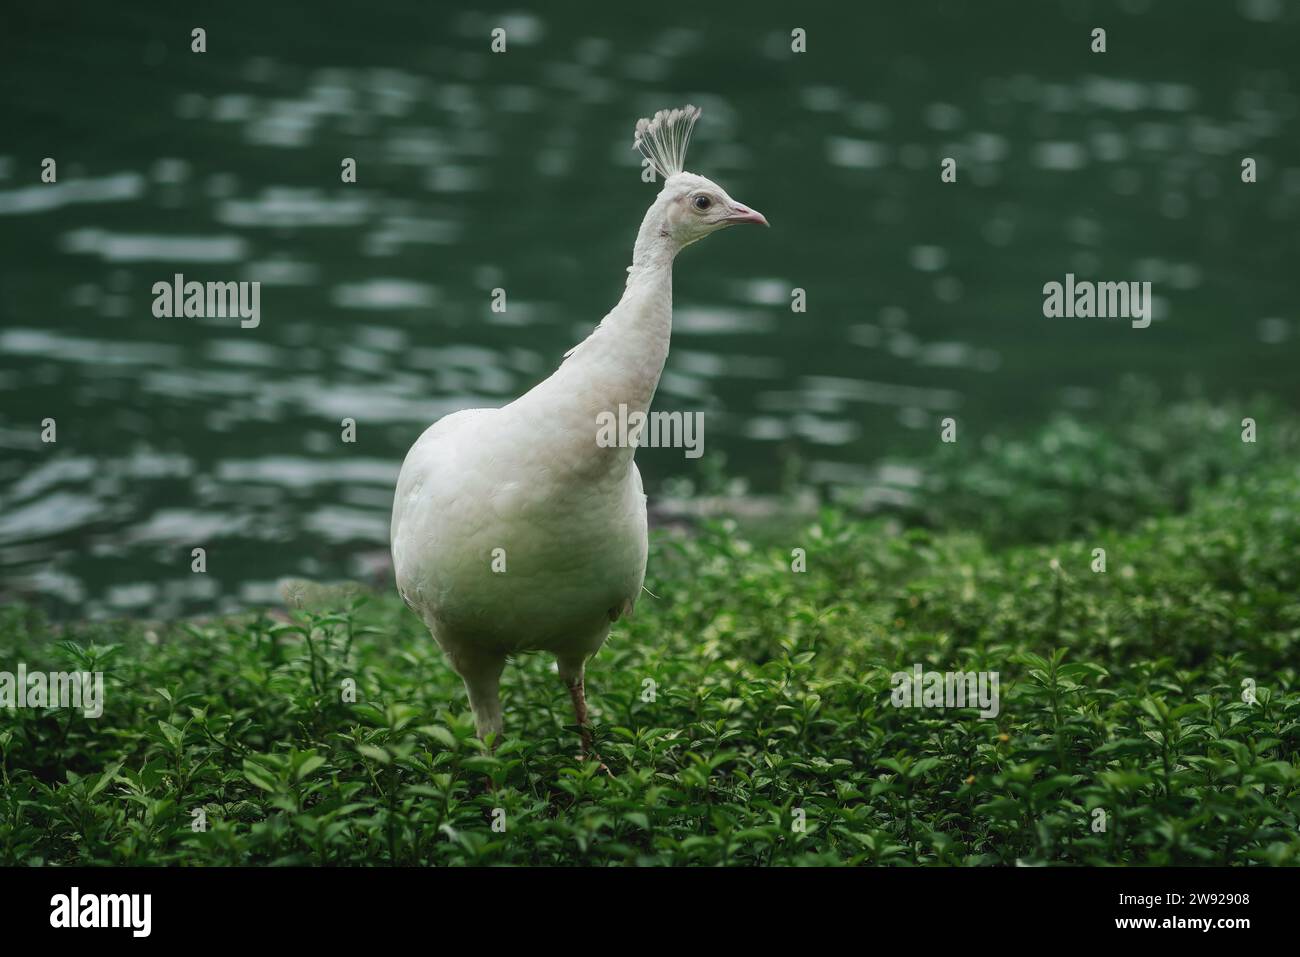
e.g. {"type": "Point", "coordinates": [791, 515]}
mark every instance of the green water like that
{"type": "Point", "coordinates": [479, 171]}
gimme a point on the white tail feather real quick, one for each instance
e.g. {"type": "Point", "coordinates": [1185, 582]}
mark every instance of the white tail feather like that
{"type": "Point", "coordinates": [664, 137]}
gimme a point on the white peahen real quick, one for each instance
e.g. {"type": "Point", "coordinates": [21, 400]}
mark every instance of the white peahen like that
{"type": "Point", "coordinates": [513, 528]}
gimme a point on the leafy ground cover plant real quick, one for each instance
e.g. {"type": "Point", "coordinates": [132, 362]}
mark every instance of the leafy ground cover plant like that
{"type": "Point", "coordinates": [1148, 714]}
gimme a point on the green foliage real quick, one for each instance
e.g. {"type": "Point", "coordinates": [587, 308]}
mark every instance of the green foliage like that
{"type": "Point", "coordinates": [1121, 692]}
{"type": "Point", "coordinates": [1137, 458]}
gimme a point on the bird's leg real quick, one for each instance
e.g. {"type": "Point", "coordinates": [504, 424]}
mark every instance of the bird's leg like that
{"type": "Point", "coordinates": [482, 676]}
{"type": "Point", "coordinates": [578, 694]}
{"type": "Point", "coordinates": [573, 679]}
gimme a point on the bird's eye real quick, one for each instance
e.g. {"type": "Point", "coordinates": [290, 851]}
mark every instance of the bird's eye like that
{"type": "Point", "coordinates": [703, 202]}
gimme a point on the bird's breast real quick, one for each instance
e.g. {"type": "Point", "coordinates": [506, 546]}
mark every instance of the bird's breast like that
{"type": "Point", "coordinates": [520, 550]}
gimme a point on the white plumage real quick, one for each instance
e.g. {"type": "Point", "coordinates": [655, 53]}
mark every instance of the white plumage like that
{"type": "Point", "coordinates": [513, 529]}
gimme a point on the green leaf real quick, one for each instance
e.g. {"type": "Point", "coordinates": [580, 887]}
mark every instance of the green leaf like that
{"type": "Point", "coordinates": [308, 766]}
{"type": "Point", "coordinates": [259, 776]}
{"type": "Point", "coordinates": [109, 773]}
{"type": "Point", "coordinates": [375, 753]}
{"type": "Point", "coordinates": [171, 733]}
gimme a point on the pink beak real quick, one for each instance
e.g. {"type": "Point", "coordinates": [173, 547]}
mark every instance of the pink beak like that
{"type": "Point", "coordinates": [743, 214]}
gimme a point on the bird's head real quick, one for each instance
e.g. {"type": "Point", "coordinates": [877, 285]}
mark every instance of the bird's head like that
{"type": "Point", "coordinates": [695, 206]}
{"type": "Point", "coordinates": [692, 206]}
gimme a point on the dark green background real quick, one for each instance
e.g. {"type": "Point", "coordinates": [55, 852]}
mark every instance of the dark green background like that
{"type": "Point", "coordinates": [479, 170]}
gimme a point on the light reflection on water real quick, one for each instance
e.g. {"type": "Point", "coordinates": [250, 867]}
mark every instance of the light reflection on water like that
{"type": "Point", "coordinates": [479, 172]}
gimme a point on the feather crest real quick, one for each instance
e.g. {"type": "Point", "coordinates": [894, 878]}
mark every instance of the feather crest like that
{"type": "Point", "coordinates": [663, 138]}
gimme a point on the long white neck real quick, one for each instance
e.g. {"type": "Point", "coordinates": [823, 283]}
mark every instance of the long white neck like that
{"type": "Point", "coordinates": [616, 369]}
{"type": "Point", "coordinates": [654, 250]}
{"type": "Point", "coordinates": [632, 341]}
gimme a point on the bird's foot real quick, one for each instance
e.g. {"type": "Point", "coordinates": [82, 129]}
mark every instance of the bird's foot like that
{"type": "Point", "coordinates": [593, 756]}
{"type": "Point", "coordinates": [589, 753]}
